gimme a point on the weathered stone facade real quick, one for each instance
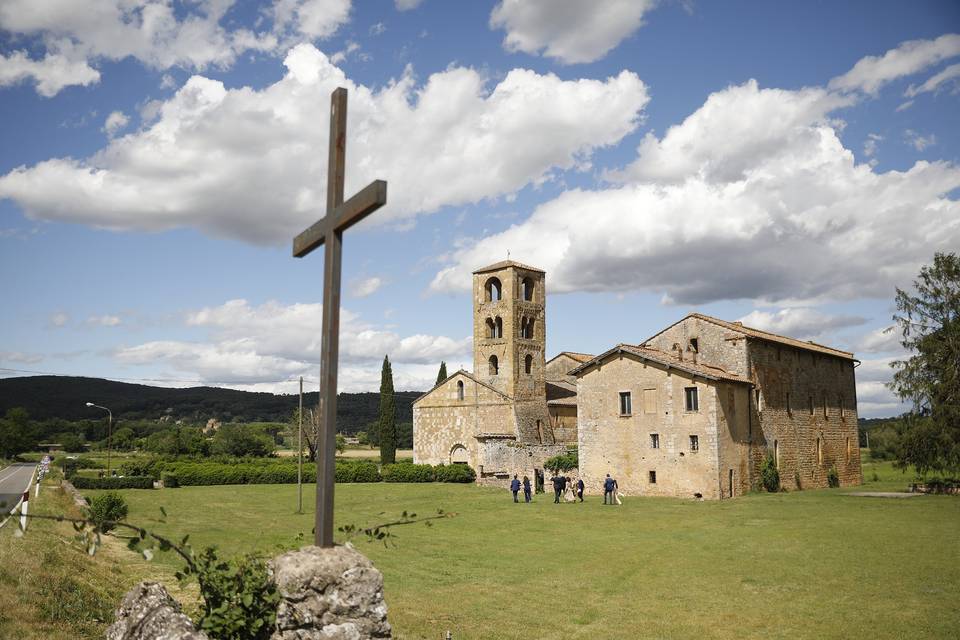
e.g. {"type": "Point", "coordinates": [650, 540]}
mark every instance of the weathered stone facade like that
{"type": "Point", "coordinates": [496, 419]}
{"type": "Point", "coordinates": [756, 393]}
{"type": "Point", "coordinates": [635, 424]}
{"type": "Point", "coordinates": [803, 408]}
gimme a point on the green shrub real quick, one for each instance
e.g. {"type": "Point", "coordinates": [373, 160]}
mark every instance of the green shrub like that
{"type": "Point", "coordinates": [454, 473]}
{"type": "Point", "coordinates": [563, 462]}
{"type": "Point", "coordinates": [833, 478]}
{"type": "Point", "coordinates": [125, 482]}
{"type": "Point", "coordinates": [169, 480]}
{"type": "Point", "coordinates": [359, 471]}
{"type": "Point", "coordinates": [407, 472]}
{"type": "Point", "coordinates": [106, 508]}
{"type": "Point", "coordinates": [70, 465]}
{"type": "Point", "coordinates": [769, 474]}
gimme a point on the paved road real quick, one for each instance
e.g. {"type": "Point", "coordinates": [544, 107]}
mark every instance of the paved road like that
{"type": "Point", "coordinates": [13, 482]}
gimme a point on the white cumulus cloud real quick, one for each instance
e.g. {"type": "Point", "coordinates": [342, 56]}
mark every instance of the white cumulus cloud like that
{"type": "Point", "coordinates": [116, 121]}
{"type": "Point", "coordinates": [753, 196]}
{"type": "Point", "coordinates": [871, 73]}
{"type": "Point", "coordinates": [365, 287]}
{"type": "Point", "coordinates": [801, 323]}
{"type": "Point", "coordinates": [935, 81]}
{"type": "Point", "coordinates": [268, 346]}
{"type": "Point", "coordinates": [568, 30]}
{"type": "Point", "coordinates": [50, 74]}
{"type": "Point", "coordinates": [217, 158]}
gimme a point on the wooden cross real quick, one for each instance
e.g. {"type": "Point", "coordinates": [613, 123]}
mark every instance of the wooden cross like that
{"type": "Point", "coordinates": [329, 232]}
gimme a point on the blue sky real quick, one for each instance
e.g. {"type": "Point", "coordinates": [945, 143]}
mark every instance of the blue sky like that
{"type": "Point", "coordinates": [784, 164]}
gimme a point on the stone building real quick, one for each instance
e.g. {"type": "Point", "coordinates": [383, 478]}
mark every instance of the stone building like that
{"type": "Point", "coordinates": [697, 407]}
{"type": "Point", "coordinates": [498, 418]}
{"type": "Point", "coordinates": [692, 411]}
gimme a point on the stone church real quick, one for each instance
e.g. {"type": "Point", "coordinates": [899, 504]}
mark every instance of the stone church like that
{"type": "Point", "coordinates": [691, 411]}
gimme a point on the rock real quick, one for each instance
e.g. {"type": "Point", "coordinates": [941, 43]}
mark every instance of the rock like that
{"type": "Point", "coordinates": [329, 594]}
{"type": "Point", "coordinates": [149, 613]}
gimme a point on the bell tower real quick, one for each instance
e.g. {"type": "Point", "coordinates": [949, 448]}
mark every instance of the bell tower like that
{"type": "Point", "coordinates": [509, 329]}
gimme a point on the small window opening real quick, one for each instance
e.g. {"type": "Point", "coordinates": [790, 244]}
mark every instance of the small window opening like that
{"type": "Point", "coordinates": [460, 390]}
{"type": "Point", "coordinates": [528, 364]}
{"type": "Point", "coordinates": [694, 443]}
{"type": "Point", "coordinates": [695, 345]}
{"type": "Point", "coordinates": [498, 327]}
{"type": "Point", "coordinates": [526, 288]}
{"type": "Point", "coordinates": [776, 454]}
{"type": "Point", "coordinates": [819, 451]}
{"type": "Point", "coordinates": [526, 328]}
{"type": "Point", "coordinates": [840, 404]}
{"type": "Point", "coordinates": [652, 477]}
{"type": "Point", "coordinates": [625, 404]}
{"type": "Point", "coordinates": [491, 328]}
{"type": "Point", "coordinates": [759, 398]}
{"type": "Point", "coordinates": [811, 405]}
{"type": "Point", "coordinates": [789, 408]}
{"type": "Point", "coordinates": [824, 405]}
{"type": "Point", "coordinates": [494, 289]}
{"type": "Point", "coordinates": [654, 440]}
{"type": "Point", "coordinates": [848, 448]}
{"type": "Point", "coordinates": [494, 366]}
{"type": "Point", "coordinates": [691, 399]}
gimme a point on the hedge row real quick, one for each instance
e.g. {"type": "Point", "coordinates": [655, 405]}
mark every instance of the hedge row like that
{"type": "Point", "coordinates": [409, 472]}
{"type": "Point", "coordinates": [126, 482]}
{"type": "Point", "coordinates": [176, 474]}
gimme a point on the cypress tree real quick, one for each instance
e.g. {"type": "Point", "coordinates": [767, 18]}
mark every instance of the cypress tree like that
{"type": "Point", "coordinates": [388, 415]}
{"type": "Point", "coordinates": [443, 372]}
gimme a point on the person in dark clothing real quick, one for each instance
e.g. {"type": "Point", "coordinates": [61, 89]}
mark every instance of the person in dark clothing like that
{"type": "Point", "coordinates": [608, 486]}
{"type": "Point", "coordinates": [580, 489]}
{"type": "Point", "coordinates": [515, 487]}
{"type": "Point", "coordinates": [526, 489]}
{"type": "Point", "coordinates": [559, 484]}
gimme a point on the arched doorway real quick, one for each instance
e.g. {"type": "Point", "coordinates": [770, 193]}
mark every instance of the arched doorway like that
{"type": "Point", "coordinates": [458, 455]}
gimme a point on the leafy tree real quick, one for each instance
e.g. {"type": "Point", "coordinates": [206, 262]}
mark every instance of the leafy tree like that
{"type": "Point", "coordinates": [16, 433]}
{"type": "Point", "coordinates": [341, 443]}
{"type": "Point", "coordinates": [442, 375]}
{"type": "Point", "coordinates": [242, 440]}
{"type": "Point", "coordinates": [362, 438]}
{"type": "Point", "coordinates": [563, 462]}
{"type": "Point", "coordinates": [388, 415]}
{"type": "Point", "coordinates": [929, 320]}
{"type": "Point", "coordinates": [769, 474]}
{"type": "Point", "coordinates": [177, 440]}
{"type": "Point", "coordinates": [106, 509]}
{"type": "Point", "coordinates": [70, 442]}
{"type": "Point", "coordinates": [123, 439]}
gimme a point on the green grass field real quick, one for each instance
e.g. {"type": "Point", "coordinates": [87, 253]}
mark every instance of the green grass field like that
{"type": "Point", "coordinates": [811, 564]}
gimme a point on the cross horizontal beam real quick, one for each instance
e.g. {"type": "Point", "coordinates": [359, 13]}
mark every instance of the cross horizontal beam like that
{"type": "Point", "coordinates": [365, 202]}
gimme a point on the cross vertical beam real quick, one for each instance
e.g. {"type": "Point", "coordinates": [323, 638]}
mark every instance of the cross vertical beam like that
{"type": "Point", "coordinates": [329, 232]}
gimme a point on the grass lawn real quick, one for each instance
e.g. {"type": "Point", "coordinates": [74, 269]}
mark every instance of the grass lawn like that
{"type": "Point", "coordinates": [811, 564]}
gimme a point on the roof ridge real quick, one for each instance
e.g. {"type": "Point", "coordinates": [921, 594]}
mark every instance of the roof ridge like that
{"type": "Point", "coordinates": [739, 326]}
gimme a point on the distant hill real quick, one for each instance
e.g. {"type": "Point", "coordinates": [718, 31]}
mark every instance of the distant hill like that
{"type": "Point", "coordinates": [65, 397]}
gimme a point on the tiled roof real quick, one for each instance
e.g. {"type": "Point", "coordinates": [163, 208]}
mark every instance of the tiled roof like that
{"type": "Point", "coordinates": [700, 369]}
{"type": "Point", "coordinates": [503, 264]}
{"type": "Point", "coordinates": [579, 357]}
{"type": "Point", "coordinates": [764, 335]}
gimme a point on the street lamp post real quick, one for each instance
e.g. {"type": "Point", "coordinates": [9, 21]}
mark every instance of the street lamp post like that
{"type": "Point", "coordinates": [109, 431]}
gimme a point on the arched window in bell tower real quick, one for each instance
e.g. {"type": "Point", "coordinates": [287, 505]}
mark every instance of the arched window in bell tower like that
{"type": "Point", "coordinates": [494, 289]}
{"type": "Point", "coordinates": [498, 327]}
{"type": "Point", "coordinates": [526, 289]}
{"type": "Point", "coordinates": [528, 364]}
{"type": "Point", "coordinates": [491, 328]}
{"type": "Point", "coordinates": [494, 366]}
{"type": "Point", "coordinates": [526, 328]}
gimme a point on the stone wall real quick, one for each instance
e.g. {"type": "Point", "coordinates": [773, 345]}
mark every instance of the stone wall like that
{"type": "Point", "coordinates": [621, 445]}
{"type": "Point", "coordinates": [736, 473]}
{"type": "Point", "coordinates": [441, 421]}
{"type": "Point", "coordinates": [716, 344]}
{"type": "Point", "coordinates": [791, 431]}
{"type": "Point", "coordinates": [563, 420]}
{"type": "Point", "coordinates": [504, 458]}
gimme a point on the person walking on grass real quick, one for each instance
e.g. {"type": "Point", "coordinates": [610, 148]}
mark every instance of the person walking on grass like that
{"type": "Point", "coordinates": [526, 489]}
{"type": "Point", "coordinates": [559, 483]}
{"type": "Point", "coordinates": [580, 489]}
{"type": "Point", "coordinates": [608, 486]}
{"type": "Point", "coordinates": [515, 487]}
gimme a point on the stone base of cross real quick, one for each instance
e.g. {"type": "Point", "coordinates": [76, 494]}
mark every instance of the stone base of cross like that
{"type": "Point", "coordinates": [329, 232]}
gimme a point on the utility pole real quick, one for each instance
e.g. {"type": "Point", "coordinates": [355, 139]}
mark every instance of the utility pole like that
{"type": "Point", "coordinates": [300, 452]}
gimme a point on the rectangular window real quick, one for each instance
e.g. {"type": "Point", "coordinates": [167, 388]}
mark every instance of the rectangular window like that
{"type": "Point", "coordinates": [653, 477]}
{"type": "Point", "coordinates": [649, 401]}
{"type": "Point", "coordinates": [654, 440]}
{"type": "Point", "coordinates": [695, 345]}
{"type": "Point", "coordinates": [811, 405]}
{"type": "Point", "coordinates": [840, 404]}
{"type": "Point", "coordinates": [692, 401]}
{"type": "Point", "coordinates": [759, 399]}
{"type": "Point", "coordinates": [789, 408]}
{"type": "Point", "coordinates": [625, 404]}
{"type": "Point", "coordinates": [694, 443]}
{"type": "Point", "coordinates": [824, 405]}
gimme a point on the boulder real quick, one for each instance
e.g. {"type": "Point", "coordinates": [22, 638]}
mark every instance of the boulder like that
{"type": "Point", "coordinates": [148, 612]}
